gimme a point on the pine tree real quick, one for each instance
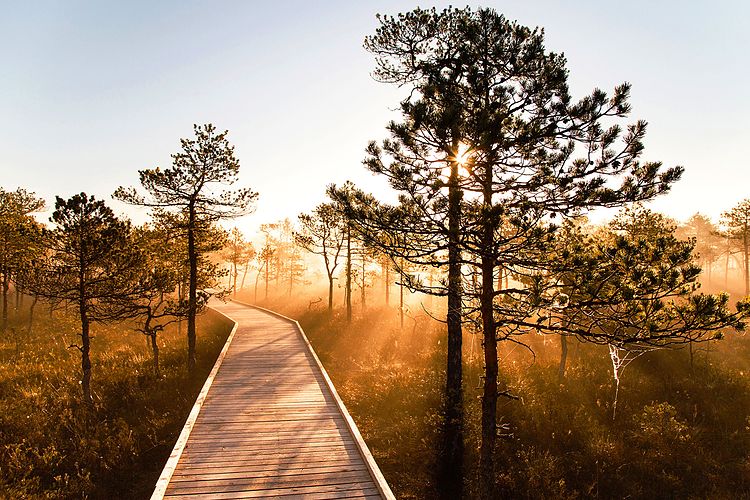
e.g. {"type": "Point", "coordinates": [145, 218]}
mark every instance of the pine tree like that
{"type": "Point", "coordinates": [487, 86]}
{"type": "Point", "coordinates": [322, 233]}
{"type": "Point", "coordinates": [737, 223]}
{"type": "Point", "coordinates": [93, 265]}
{"type": "Point", "coordinates": [205, 163]}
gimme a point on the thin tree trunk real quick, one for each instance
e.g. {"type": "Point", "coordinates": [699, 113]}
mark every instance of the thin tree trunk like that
{"type": "Point", "coordinates": [746, 253]}
{"type": "Point", "coordinates": [401, 295]}
{"type": "Point", "coordinates": [244, 274]}
{"type": "Point", "coordinates": [181, 296]}
{"type": "Point", "coordinates": [726, 267]}
{"type": "Point", "coordinates": [234, 286]}
{"type": "Point", "coordinates": [330, 294]}
{"type": "Point", "coordinates": [85, 350]}
{"type": "Point", "coordinates": [155, 351]}
{"type": "Point", "coordinates": [192, 290]}
{"type": "Point", "coordinates": [291, 273]}
{"type": "Point", "coordinates": [387, 284]}
{"type": "Point", "coordinates": [17, 310]}
{"type": "Point", "coordinates": [563, 358]}
{"type": "Point", "coordinates": [267, 265]}
{"type": "Point", "coordinates": [31, 315]}
{"type": "Point", "coordinates": [614, 402]}
{"type": "Point", "coordinates": [257, 277]}
{"type": "Point", "coordinates": [364, 282]}
{"type": "Point", "coordinates": [6, 286]}
{"type": "Point", "coordinates": [348, 273]}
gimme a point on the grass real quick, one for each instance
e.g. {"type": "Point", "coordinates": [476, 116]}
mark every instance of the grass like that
{"type": "Point", "coordinates": [680, 432]}
{"type": "Point", "coordinates": [53, 446]}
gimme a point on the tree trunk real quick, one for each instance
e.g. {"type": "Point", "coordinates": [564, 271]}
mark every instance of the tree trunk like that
{"type": "Point", "coordinates": [454, 449]}
{"type": "Point", "coordinates": [6, 286]}
{"type": "Point", "coordinates": [489, 396]}
{"type": "Point", "coordinates": [192, 289]}
{"type": "Point", "coordinates": [155, 351]}
{"type": "Point", "coordinates": [268, 261]}
{"type": "Point", "coordinates": [244, 275]}
{"type": "Point", "coordinates": [85, 350]}
{"type": "Point", "coordinates": [726, 266]}
{"type": "Point", "coordinates": [291, 273]}
{"type": "Point", "coordinates": [563, 358]}
{"type": "Point", "coordinates": [330, 294]}
{"type": "Point", "coordinates": [348, 273]}
{"type": "Point", "coordinates": [364, 282]}
{"type": "Point", "coordinates": [387, 284]}
{"type": "Point", "coordinates": [17, 310]}
{"type": "Point", "coordinates": [234, 285]}
{"type": "Point", "coordinates": [31, 315]}
{"type": "Point", "coordinates": [489, 334]}
{"type": "Point", "coordinates": [746, 254]}
{"type": "Point", "coordinates": [181, 297]}
{"type": "Point", "coordinates": [431, 284]}
{"type": "Point", "coordinates": [401, 295]}
{"type": "Point", "coordinates": [257, 277]}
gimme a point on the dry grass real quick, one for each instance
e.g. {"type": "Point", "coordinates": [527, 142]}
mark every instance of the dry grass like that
{"type": "Point", "coordinates": [53, 446]}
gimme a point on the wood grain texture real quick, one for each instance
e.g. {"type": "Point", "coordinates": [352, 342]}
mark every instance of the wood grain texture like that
{"type": "Point", "coordinates": [271, 424]}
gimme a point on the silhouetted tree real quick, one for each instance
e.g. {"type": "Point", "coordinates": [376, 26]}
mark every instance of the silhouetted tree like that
{"type": "Point", "coordinates": [155, 302]}
{"type": "Point", "coordinates": [205, 163]}
{"type": "Point", "coordinates": [93, 264]}
{"type": "Point", "coordinates": [238, 253]}
{"type": "Point", "coordinates": [18, 230]}
{"type": "Point", "coordinates": [708, 241]}
{"type": "Point", "coordinates": [632, 286]}
{"type": "Point", "coordinates": [426, 152]}
{"type": "Point", "coordinates": [737, 223]}
{"type": "Point", "coordinates": [322, 232]}
{"type": "Point", "coordinates": [533, 153]}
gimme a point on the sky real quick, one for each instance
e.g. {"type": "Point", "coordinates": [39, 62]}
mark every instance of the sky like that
{"type": "Point", "coordinates": [91, 92]}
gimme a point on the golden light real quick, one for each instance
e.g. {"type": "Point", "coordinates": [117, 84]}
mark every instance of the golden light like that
{"type": "Point", "coordinates": [462, 157]}
{"type": "Point", "coordinates": [463, 154]}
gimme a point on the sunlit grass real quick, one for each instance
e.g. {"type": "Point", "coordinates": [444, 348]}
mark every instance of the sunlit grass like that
{"type": "Point", "coordinates": [53, 446]}
{"type": "Point", "coordinates": [680, 432]}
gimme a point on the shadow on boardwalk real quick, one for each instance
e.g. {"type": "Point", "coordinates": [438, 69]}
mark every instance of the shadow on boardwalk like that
{"type": "Point", "coordinates": [269, 423]}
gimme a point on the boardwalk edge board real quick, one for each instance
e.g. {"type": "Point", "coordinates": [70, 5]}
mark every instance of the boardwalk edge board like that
{"type": "Point", "coordinates": [372, 466]}
{"type": "Point", "coordinates": [179, 447]}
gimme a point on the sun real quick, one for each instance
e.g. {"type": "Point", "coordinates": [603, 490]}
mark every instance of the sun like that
{"type": "Point", "coordinates": [463, 155]}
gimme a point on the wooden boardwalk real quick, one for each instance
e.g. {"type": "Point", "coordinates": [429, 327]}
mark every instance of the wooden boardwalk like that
{"type": "Point", "coordinates": [269, 423]}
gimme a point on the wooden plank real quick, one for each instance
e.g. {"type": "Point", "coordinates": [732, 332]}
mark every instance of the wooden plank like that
{"type": "Point", "coordinates": [273, 483]}
{"type": "Point", "coordinates": [276, 491]}
{"type": "Point", "coordinates": [277, 468]}
{"type": "Point", "coordinates": [380, 481]}
{"type": "Point", "coordinates": [271, 424]}
{"type": "Point", "coordinates": [309, 492]}
{"type": "Point", "coordinates": [280, 459]}
{"type": "Point", "coordinates": [163, 482]}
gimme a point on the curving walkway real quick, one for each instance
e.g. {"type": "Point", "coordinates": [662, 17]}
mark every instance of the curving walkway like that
{"type": "Point", "coordinates": [269, 423]}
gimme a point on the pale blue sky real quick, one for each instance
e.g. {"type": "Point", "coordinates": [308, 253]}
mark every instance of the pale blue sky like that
{"type": "Point", "coordinates": [90, 92]}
